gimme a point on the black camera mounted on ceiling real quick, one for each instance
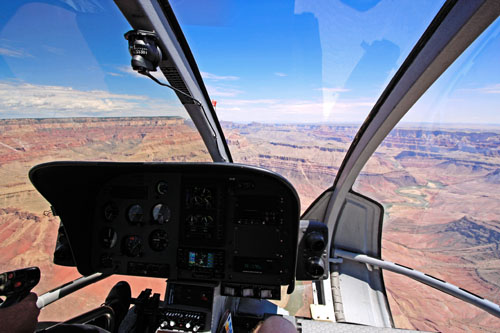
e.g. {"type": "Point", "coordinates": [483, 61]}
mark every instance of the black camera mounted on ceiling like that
{"type": "Point", "coordinates": [146, 56]}
{"type": "Point", "coordinates": [142, 45]}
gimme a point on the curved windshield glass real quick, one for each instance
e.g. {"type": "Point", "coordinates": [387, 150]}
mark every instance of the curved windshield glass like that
{"type": "Point", "coordinates": [67, 92]}
{"type": "Point", "coordinates": [438, 176]}
{"type": "Point", "coordinates": [293, 80]}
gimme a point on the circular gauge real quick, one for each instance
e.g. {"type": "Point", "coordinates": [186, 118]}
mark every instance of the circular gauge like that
{"type": "Point", "coordinates": [193, 219]}
{"type": "Point", "coordinates": [135, 214]}
{"type": "Point", "coordinates": [161, 213]}
{"type": "Point", "coordinates": [108, 237]}
{"type": "Point", "coordinates": [158, 240]}
{"type": "Point", "coordinates": [207, 220]}
{"type": "Point", "coordinates": [201, 197]}
{"type": "Point", "coordinates": [132, 246]}
{"type": "Point", "coordinates": [111, 211]}
{"type": "Point", "coordinates": [162, 187]}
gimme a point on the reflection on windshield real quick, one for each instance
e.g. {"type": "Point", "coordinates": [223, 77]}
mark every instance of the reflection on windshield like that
{"type": "Point", "coordinates": [302, 61]}
{"type": "Point", "coordinates": [438, 176]}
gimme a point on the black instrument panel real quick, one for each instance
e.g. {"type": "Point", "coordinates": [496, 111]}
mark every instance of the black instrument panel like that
{"type": "Point", "coordinates": [184, 221]}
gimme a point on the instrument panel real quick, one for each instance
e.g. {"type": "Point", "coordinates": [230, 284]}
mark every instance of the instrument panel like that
{"type": "Point", "coordinates": [183, 221]}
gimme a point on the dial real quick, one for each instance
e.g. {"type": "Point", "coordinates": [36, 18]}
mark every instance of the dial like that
{"type": "Point", "coordinates": [200, 220]}
{"type": "Point", "coordinates": [192, 220]}
{"type": "Point", "coordinates": [207, 220]}
{"type": "Point", "coordinates": [132, 246]}
{"type": "Point", "coordinates": [201, 198]}
{"type": "Point", "coordinates": [162, 187]}
{"type": "Point", "coordinates": [111, 211]}
{"type": "Point", "coordinates": [161, 213]}
{"type": "Point", "coordinates": [108, 237]}
{"type": "Point", "coordinates": [158, 240]}
{"type": "Point", "coordinates": [135, 214]}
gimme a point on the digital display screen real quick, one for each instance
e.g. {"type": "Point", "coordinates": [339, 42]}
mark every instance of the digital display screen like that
{"type": "Point", "coordinates": [256, 265]}
{"type": "Point", "coordinates": [190, 295]}
{"type": "Point", "coordinates": [268, 209]}
{"type": "Point", "coordinates": [201, 259]}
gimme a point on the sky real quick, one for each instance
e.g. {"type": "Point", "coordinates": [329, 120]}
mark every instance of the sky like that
{"type": "Point", "coordinates": [265, 61]}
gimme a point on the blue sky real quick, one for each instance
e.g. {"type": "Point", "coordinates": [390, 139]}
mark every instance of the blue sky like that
{"type": "Point", "coordinates": [272, 61]}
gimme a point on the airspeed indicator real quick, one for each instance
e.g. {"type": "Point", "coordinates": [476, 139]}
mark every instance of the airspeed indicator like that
{"type": "Point", "coordinates": [158, 240]}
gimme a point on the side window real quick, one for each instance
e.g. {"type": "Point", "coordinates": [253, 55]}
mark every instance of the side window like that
{"type": "Point", "coordinates": [438, 176]}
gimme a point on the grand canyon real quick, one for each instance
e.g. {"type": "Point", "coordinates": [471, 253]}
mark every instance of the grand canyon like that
{"type": "Point", "coordinates": [438, 186]}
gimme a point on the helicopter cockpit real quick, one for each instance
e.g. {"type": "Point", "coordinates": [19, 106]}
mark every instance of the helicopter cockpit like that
{"type": "Point", "coordinates": [210, 229]}
{"type": "Point", "coordinates": [231, 240]}
{"type": "Point", "coordinates": [214, 230]}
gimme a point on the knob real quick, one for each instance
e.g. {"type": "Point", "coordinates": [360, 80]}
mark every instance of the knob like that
{"type": "Point", "coordinates": [315, 241]}
{"type": "Point", "coordinates": [315, 267]}
{"type": "Point", "coordinates": [164, 324]}
{"type": "Point", "coordinates": [172, 323]}
{"type": "Point", "coordinates": [196, 328]}
{"type": "Point", "coordinates": [188, 325]}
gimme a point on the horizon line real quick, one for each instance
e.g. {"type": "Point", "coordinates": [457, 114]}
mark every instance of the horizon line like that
{"type": "Point", "coordinates": [342, 123]}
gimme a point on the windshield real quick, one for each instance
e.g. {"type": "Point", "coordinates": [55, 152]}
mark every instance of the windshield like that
{"type": "Point", "coordinates": [293, 80]}
{"type": "Point", "coordinates": [67, 92]}
{"type": "Point", "coordinates": [438, 176]}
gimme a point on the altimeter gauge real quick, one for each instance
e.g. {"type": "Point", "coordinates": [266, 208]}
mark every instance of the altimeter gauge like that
{"type": "Point", "coordinates": [135, 214]}
{"type": "Point", "coordinates": [161, 214]}
{"type": "Point", "coordinates": [132, 246]}
{"type": "Point", "coordinates": [158, 240]}
{"type": "Point", "coordinates": [111, 211]}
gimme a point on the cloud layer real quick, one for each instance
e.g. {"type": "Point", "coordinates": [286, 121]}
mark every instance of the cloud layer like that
{"type": "Point", "coordinates": [214, 77]}
{"type": "Point", "coordinates": [15, 53]}
{"type": "Point", "coordinates": [29, 100]}
{"type": "Point", "coordinates": [20, 100]}
{"type": "Point", "coordinates": [293, 111]}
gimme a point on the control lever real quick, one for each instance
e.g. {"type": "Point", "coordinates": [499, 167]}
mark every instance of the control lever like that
{"type": "Point", "coordinates": [16, 285]}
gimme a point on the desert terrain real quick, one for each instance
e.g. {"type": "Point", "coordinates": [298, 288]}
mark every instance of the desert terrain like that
{"type": "Point", "coordinates": [27, 229]}
{"type": "Point", "coordinates": [439, 188]}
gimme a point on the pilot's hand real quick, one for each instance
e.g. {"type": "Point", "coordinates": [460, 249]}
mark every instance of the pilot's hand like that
{"type": "Point", "coordinates": [20, 317]}
{"type": "Point", "coordinates": [275, 324]}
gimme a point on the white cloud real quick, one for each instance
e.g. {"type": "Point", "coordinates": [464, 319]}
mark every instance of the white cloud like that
{"type": "Point", "coordinates": [280, 74]}
{"type": "Point", "coordinates": [85, 6]}
{"type": "Point", "coordinates": [215, 91]}
{"type": "Point", "coordinates": [19, 53]}
{"type": "Point", "coordinates": [243, 102]}
{"type": "Point", "coordinates": [128, 70]}
{"type": "Point", "coordinates": [29, 100]}
{"type": "Point", "coordinates": [214, 77]}
{"type": "Point", "coordinates": [299, 111]}
{"type": "Point", "coordinates": [54, 50]}
{"type": "Point", "coordinates": [492, 89]}
{"type": "Point", "coordinates": [333, 90]}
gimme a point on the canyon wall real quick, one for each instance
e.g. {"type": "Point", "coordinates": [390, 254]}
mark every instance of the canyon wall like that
{"type": "Point", "coordinates": [439, 189]}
